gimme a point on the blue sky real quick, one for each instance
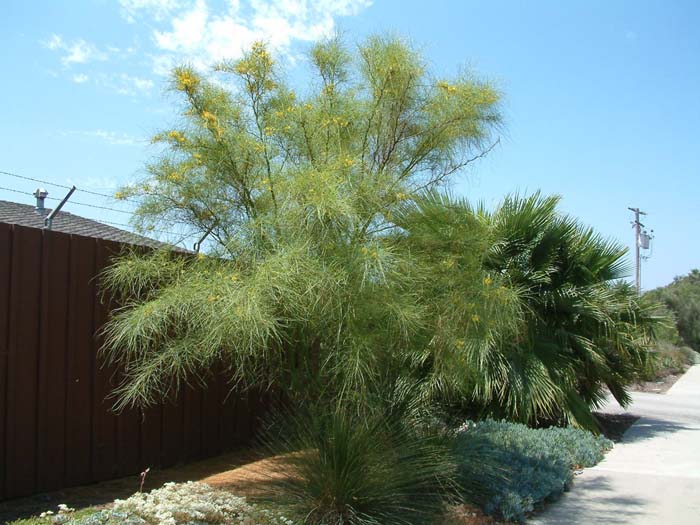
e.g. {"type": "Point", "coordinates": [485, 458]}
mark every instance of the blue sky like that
{"type": "Point", "coordinates": [601, 98]}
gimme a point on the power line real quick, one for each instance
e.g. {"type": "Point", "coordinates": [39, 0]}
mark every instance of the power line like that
{"type": "Point", "coordinates": [63, 186]}
{"type": "Point", "coordinates": [71, 202]}
{"type": "Point", "coordinates": [153, 230]}
{"type": "Point", "coordinates": [16, 191]}
{"type": "Point", "coordinates": [93, 206]}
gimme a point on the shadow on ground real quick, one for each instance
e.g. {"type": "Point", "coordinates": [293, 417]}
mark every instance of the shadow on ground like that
{"type": "Point", "coordinates": [593, 503]}
{"type": "Point", "coordinates": [648, 428]}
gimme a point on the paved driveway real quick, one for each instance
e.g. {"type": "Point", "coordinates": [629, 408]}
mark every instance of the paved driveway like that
{"type": "Point", "coordinates": [652, 476]}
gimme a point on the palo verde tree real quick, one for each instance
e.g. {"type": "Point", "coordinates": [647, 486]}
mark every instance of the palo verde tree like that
{"type": "Point", "coordinates": [304, 284]}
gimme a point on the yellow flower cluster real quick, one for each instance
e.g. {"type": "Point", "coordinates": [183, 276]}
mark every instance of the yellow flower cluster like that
{"type": "Point", "coordinates": [401, 196]}
{"type": "Point", "coordinates": [488, 281]}
{"type": "Point", "coordinates": [186, 80]}
{"type": "Point", "coordinates": [335, 120]}
{"type": "Point", "coordinates": [120, 195]}
{"type": "Point", "coordinates": [447, 87]}
{"type": "Point", "coordinates": [176, 136]}
{"type": "Point", "coordinates": [348, 163]}
{"type": "Point", "coordinates": [260, 52]}
{"type": "Point", "coordinates": [174, 176]}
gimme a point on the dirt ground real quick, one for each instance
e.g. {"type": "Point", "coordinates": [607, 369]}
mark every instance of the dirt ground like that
{"type": "Point", "coordinates": [657, 387]}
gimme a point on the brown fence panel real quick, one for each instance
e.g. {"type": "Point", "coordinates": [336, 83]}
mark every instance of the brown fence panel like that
{"type": "Point", "coordinates": [104, 420]}
{"type": "Point", "coordinates": [80, 361]}
{"type": "Point", "coordinates": [51, 417]}
{"type": "Point", "coordinates": [57, 428]}
{"type": "Point", "coordinates": [173, 430]}
{"type": "Point", "coordinates": [5, 279]}
{"type": "Point", "coordinates": [23, 358]}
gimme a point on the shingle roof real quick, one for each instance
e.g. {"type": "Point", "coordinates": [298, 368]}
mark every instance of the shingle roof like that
{"type": "Point", "coordinates": [26, 215]}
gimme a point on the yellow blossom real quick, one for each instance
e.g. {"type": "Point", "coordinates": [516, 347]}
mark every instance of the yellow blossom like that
{"type": "Point", "coordinates": [186, 80]}
{"type": "Point", "coordinates": [349, 162]}
{"type": "Point", "coordinates": [120, 196]}
{"type": "Point", "coordinates": [488, 281]}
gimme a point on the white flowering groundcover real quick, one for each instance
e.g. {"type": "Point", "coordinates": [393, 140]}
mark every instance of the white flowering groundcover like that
{"type": "Point", "coordinates": [179, 504]}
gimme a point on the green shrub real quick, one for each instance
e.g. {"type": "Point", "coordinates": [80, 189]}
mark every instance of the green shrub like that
{"type": "Point", "coordinates": [347, 467]}
{"type": "Point", "coordinates": [525, 466]}
{"type": "Point", "coordinates": [669, 359]}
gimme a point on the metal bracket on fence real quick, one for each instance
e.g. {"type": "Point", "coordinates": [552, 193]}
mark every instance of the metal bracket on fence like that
{"type": "Point", "coordinates": [49, 219]}
{"type": "Point", "coordinates": [198, 244]}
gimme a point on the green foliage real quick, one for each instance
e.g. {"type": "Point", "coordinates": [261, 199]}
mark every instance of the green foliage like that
{"type": "Point", "coordinates": [298, 192]}
{"type": "Point", "coordinates": [682, 298]}
{"type": "Point", "coordinates": [534, 464]}
{"type": "Point", "coordinates": [350, 466]}
{"type": "Point", "coordinates": [553, 326]}
{"type": "Point", "coordinates": [668, 359]}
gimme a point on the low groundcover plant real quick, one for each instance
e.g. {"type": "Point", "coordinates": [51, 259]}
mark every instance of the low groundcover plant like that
{"type": "Point", "coordinates": [178, 504]}
{"type": "Point", "coordinates": [533, 465]}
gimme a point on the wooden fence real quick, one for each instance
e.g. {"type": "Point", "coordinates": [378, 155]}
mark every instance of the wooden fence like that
{"type": "Point", "coordinates": [56, 427]}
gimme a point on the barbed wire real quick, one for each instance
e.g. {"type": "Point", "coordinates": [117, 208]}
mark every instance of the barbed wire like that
{"type": "Point", "coordinates": [30, 194]}
{"type": "Point", "coordinates": [57, 185]}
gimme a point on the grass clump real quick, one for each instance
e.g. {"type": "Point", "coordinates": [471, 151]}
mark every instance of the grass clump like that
{"type": "Point", "coordinates": [347, 467]}
{"type": "Point", "coordinates": [524, 467]}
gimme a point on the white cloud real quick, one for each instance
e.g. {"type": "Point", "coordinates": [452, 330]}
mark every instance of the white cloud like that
{"type": "Point", "coordinates": [110, 137]}
{"type": "Point", "coordinates": [80, 78]}
{"type": "Point", "coordinates": [157, 9]}
{"type": "Point", "coordinates": [201, 37]}
{"type": "Point", "coordinates": [94, 183]}
{"type": "Point", "coordinates": [125, 84]}
{"type": "Point", "coordinates": [76, 52]}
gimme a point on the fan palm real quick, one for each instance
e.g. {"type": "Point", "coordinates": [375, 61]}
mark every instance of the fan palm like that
{"type": "Point", "coordinates": [576, 327]}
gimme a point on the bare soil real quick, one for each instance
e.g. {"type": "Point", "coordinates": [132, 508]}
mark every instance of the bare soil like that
{"type": "Point", "coordinates": [660, 386]}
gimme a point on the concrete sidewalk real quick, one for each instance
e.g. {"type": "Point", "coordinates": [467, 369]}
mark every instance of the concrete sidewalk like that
{"type": "Point", "coordinates": [652, 476]}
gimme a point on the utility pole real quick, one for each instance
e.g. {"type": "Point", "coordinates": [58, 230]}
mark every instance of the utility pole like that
{"type": "Point", "coordinates": [637, 245]}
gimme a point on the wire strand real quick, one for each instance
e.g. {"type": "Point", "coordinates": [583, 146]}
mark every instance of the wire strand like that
{"type": "Point", "coordinates": [63, 186]}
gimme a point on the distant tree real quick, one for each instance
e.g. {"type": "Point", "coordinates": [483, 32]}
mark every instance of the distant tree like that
{"type": "Point", "coordinates": [682, 298]}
